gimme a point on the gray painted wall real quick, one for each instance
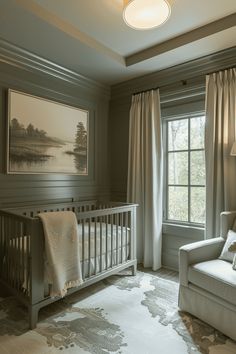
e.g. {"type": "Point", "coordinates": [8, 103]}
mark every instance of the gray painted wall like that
{"type": "Point", "coordinates": [25, 72]}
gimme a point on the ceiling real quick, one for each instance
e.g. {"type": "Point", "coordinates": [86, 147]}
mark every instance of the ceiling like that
{"type": "Point", "coordinates": [91, 38]}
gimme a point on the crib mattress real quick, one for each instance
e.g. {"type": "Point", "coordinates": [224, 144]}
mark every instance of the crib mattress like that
{"type": "Point", "coordinates": [105, 237]}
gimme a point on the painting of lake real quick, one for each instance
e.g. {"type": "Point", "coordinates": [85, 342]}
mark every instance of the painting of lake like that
{"type": "Point", "coordinates": [45, 136]}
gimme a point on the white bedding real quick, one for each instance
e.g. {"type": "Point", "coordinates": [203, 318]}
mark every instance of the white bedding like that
{"type": "Point", "coordinates": [62, 249]}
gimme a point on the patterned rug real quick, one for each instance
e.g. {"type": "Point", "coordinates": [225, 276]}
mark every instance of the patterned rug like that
{"type": "Point", "coordinates": [122, 314]}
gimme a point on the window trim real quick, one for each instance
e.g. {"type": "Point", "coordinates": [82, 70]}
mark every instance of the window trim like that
{"type": "Point", "coordinates": [165, 170]}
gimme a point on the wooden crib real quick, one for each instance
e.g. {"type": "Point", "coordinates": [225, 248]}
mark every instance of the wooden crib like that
{"type": "Point", "coordinates": [108, 242]}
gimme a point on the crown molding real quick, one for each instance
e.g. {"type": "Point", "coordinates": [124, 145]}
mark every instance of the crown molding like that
{"type": "Point", "coordinates": [194, 68]}
{"type": "Point", "coordinates": [25, 60]}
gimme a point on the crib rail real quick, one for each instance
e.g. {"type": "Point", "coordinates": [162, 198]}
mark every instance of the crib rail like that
{"type": "Point", "coordinates": [32, 211]}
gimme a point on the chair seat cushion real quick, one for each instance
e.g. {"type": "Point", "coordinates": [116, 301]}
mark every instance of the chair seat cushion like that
{"type": "Point", "coordinates": [215, 276]}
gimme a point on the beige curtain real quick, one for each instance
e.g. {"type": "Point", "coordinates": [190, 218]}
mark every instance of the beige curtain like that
{"type": "Point", "coordinates": [220, 135]}
{"type": "Point", "coordinates": [145, 175]}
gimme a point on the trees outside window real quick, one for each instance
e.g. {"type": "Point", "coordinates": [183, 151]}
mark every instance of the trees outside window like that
{"type": "Point", "coordinates": [185, 170]}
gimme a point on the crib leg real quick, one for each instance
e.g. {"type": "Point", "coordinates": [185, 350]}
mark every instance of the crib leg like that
{"type": "Point", "coordinates": [134, 269]}
{"type": "Point", "coordinates": [33, 316]}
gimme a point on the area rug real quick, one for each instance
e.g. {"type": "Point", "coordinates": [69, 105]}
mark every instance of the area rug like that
{"type": "Point", "coordinates": [122, 314]}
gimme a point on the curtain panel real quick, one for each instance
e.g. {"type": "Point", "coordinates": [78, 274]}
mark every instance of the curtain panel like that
{"type": "Point", "coordinates": [145, 185]}
{"type": "Point", "coordinates": [219, 138]}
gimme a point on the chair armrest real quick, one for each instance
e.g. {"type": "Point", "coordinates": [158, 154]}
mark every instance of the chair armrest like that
{"type": "Point", "coordinates": [198, 252]}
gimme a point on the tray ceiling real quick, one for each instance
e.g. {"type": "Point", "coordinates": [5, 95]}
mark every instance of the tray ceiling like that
{"type": "Point", "coordinates": [90, 37]}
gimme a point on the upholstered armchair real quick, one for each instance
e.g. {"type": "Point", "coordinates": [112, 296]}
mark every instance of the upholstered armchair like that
{"type": "Point", "coordinates": [207, 283]}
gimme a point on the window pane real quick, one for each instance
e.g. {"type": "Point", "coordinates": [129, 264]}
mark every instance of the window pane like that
{"type": "Point", "coordinates": [197, 131]}
{"type": "Point", "coordinates": [178, 168]}
{"type": "Point", "coordinates": [197, 214]}
{"type": "Point", "coordinates": [178, 203]}
{"type": "Point", "coordinates": [197, 171]}
{"type": "Point", "coordinates": [178, 135]}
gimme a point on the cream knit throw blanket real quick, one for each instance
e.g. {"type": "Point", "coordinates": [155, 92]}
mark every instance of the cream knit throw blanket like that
{"type": "Point", "coordinates": [62, 266]}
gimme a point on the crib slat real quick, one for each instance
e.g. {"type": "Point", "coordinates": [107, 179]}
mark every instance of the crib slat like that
{"type": "Point", "coordinates": [95, 246]}
{"type": "Point", "coordinates": [21, 253]}
{"type": "Point", "coordinates": [18, 256]}
{"type": "Point", "coordinates": [12, 258]}
{"type": "Point", "coordinates": [100, 246]}
{"type": "Point", "coordinates": [117, 238]}
{"type": "Point", "coordinates": [28, 262]}
{"type": "Point", "coordinates": [83, 249]}
{"type": "Point", "coordinates": [106, 220]}
{"type": "Point", "coordinates": [89, 248]}
{"type": "Point", "coordinates": [22, 245]}
{"type": "Point", "coordinates": [14, 234]}
{"type": "Point", "coordinates": [112, 236]}
{"type": "Point", "coordinates": [121, 235]}
{"type": "Point", "coordinates": [126, 236]}
{"type": "Point", "coordinates": [15, 248]}
{"type": "Point", "coordinates": [21, 266]}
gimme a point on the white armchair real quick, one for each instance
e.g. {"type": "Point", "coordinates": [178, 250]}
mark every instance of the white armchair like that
{"type": "Point", "coordinates": [208, 284]}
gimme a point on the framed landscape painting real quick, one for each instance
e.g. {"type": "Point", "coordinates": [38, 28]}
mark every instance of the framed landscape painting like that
{"type": "Point", "coordinates": [45, 136]}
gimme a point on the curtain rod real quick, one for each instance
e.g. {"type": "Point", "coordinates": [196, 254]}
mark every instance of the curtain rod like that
{"type": "Point", "coordinates": [151, 89]}
{"type": "Point", "coordinates": [184, 82]}
{"type": "Point", "coordinates": [217, 71]}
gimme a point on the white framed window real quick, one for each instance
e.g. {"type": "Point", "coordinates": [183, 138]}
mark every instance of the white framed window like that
{"type": "Point", "coordinates": [184, 177]}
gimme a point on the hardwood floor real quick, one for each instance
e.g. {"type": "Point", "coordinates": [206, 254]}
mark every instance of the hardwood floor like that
{"type": "Point", "coordinates": [162, 273]}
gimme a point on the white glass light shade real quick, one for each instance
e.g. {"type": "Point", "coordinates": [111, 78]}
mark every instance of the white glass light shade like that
{"type": "Point", "coordinates": [233, 150]}
{"type": "Point", "coordinates": [146, 14]}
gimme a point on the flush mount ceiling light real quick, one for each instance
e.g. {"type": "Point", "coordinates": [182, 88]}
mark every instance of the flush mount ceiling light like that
{"type": "Point", "coordinates": [145, 14]}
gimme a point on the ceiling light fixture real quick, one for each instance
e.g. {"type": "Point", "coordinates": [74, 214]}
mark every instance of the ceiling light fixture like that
{"type": "Point", "coordinates": [146, 14]}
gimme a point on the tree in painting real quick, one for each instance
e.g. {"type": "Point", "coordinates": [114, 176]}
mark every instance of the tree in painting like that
{"type": "Point", "coordinates": [81, 138]}
{"type": "Point", "coordinates": [80, 146]}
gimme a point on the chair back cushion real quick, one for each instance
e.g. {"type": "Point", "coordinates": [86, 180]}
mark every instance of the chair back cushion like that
{"type": "Point", "coordinates": [227, 222]}
{"type": "Point", "coordinates": [226, 255]}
